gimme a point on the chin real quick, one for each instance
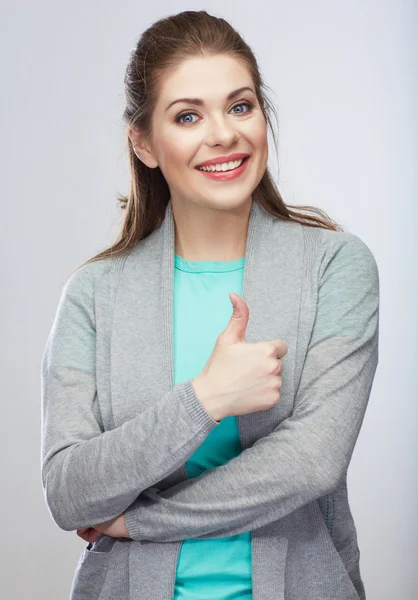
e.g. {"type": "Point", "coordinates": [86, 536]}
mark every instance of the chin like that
{"type": "Point", "coordinates": [227, 204]}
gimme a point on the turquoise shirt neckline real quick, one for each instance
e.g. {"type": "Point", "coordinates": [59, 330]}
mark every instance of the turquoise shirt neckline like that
{"type": "Point", "coordinates": [197, 266]}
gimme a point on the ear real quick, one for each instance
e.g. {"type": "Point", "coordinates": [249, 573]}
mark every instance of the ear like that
{"type": "Point", "coordinates": [141, 149]}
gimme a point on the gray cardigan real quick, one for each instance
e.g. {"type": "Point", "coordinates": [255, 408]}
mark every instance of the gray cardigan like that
{"type": "Point", "coordinates": [116, 433]}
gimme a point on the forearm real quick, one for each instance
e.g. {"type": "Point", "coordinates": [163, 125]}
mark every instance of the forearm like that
{"type": "Point", "coordinates": [302, 460]}
{"type": "Point", "coordinates": [93, 480]}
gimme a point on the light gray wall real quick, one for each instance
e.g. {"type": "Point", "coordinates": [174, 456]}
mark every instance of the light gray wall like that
{"type": "Point", "coordinates": [345, 87]}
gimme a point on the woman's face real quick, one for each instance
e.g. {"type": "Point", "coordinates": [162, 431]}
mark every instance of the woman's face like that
{"type": "Point", "coordinates": [186, 134]}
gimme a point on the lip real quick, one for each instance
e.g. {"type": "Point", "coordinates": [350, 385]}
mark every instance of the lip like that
{"type": "Point", "coordinates": [226, 175]}
{"type": "Point", "coordinates": [222, 159]}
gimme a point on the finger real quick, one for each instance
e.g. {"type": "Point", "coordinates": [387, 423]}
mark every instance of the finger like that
{"type": "Point", "coordinates": [281, 348]}
{"type": "Point", "coordinates": [83, 536]}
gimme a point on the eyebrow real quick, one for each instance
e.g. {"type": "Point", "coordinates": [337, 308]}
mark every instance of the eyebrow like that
{"type": "Point", "coordinates": [199, 102]}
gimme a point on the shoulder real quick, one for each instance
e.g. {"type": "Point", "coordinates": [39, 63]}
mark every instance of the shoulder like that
{"type": "Point", "coordinates": [84, 280]}
{"type": "Point", "coordinates": [347, 246]}
{"type": "Point", "coordinates": [328, 252]}
{"type": "Point", "coordinates": [333, 241]}
{"type": "Point", "coordinates": [346, 257]}
{"type": "Point", "coordinates": [328, 242]}
{"type": "Point", "coordinates": [327, 249]}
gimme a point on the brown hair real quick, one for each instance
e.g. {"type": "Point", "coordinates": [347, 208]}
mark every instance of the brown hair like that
{"type": "Point", "coordinates": [163, 46]}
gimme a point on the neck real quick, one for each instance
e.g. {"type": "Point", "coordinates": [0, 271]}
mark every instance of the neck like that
{"type": "Point", "coordinates": [203, 233]}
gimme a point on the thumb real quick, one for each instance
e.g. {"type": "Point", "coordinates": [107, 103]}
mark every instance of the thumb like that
{"type": "Point", "coordinates": [236, 328]}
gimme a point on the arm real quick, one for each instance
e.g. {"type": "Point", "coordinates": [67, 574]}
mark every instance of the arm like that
{"type": "Point", "coordinates": [90, 475]}
{"type": "Point", "coordinates": [309, 452]}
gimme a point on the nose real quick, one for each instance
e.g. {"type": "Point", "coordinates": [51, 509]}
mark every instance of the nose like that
{"type": "Point", "coordinates": [222, 132]}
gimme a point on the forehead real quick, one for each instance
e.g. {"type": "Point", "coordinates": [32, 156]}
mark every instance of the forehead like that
{"type": "Point", "coordinates": [210, 78]}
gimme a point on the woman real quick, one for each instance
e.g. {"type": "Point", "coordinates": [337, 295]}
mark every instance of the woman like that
{"type": "Point", "coordinates": [199, 452]}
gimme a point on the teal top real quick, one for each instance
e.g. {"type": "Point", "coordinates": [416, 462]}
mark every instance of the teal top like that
{"type": "Point", "coordinates": [201, 304]}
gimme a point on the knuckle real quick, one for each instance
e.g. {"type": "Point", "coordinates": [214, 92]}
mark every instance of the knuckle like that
{"type": "Point", "coordinates": [271, 349]}
{"type": "Point", "coordinates": [276, 382]}
{"type": "Point", "coordinates": [274, 367]}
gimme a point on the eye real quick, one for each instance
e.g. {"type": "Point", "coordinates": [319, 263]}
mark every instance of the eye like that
{"type": "Point", "coordinates": [249, 105]}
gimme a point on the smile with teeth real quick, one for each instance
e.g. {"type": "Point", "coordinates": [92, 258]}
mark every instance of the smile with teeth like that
{"type": "Point", "coordinates": [223, 166]}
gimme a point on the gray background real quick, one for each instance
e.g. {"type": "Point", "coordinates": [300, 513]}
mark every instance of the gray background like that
{"type": "Point", "coordinates": [344, 80]}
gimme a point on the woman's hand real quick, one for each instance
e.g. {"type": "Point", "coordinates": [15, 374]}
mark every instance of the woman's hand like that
{"type": "Point", "coordinates": [115, 528]}
{"type": "Point", "coordinates": [89, 534]}
{"type": "Point", "coordinates": [239, 377]}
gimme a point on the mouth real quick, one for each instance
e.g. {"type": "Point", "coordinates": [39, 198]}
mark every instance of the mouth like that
{"type": "Point", "coordinates": [227, 174]}
{"type": "Point", "coordinates": [208, 168]}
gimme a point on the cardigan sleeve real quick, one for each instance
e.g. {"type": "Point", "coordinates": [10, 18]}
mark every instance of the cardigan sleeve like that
{"type": "Point", "coordinates": [308, 453]}
{"type": "Point", "coordinates": [90, 475]}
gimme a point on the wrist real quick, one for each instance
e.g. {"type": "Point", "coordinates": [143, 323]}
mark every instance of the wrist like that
{"type": "Point", "coordinates": [206, 399]}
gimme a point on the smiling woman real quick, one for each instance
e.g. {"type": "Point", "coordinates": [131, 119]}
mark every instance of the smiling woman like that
{"type": "Point", "coordinates": [165, 417]}
{"type": "Point", "coordinates": [224, 127]}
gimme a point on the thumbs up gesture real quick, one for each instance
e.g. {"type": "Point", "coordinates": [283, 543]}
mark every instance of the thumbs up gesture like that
{"type": "Point", "coordinates": [240, 378]}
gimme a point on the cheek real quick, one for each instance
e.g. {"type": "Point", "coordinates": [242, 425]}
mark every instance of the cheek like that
{"type": "Point", "coordinates": [259, 135]}
{"type": "Point", "coordinates": [176, 151]}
